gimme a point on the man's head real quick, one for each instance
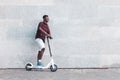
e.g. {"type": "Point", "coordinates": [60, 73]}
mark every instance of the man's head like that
{"type": "Point", "coordinates": [45, 18]}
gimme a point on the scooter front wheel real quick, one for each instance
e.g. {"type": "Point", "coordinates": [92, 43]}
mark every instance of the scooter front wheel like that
{"type": "Point", "coordinates": [53, 68]}
{"type": "Point", "coordinates": [28, 67]}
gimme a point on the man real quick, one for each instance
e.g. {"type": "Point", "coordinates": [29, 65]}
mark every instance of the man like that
{"type": "Point", "coordinates": [42, 32]}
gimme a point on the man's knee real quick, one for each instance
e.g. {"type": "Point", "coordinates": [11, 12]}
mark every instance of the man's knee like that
{"type": "Point", "coordinates": [43, 49]}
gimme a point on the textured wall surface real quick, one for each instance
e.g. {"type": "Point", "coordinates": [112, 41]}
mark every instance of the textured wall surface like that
{"type": "Point", "coordinates": [86, 32]}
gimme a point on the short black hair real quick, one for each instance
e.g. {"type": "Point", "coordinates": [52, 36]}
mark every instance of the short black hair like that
{"type": "Point", "coordinates": [45, 16]}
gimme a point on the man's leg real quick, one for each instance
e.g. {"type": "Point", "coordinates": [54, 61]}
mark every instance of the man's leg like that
{"type": "Point", "coordinates": [41, 45]}
{"type": "Point", "coordinates": [39, 57]}
{"type": "Point", "coordinates": [40, 54]}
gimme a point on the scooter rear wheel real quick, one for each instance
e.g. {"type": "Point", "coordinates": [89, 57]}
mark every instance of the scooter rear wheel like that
{"type": "Point", "coordinates": [27, 67]}
{"type": "Point", "coordinates": [53, 69]}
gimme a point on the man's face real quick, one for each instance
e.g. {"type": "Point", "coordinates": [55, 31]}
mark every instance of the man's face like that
{"type": "Point", "coordinates": [46, 19]}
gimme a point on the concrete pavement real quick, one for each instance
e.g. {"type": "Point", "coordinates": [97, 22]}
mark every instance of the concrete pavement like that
{"type": "Point", "coordinates": [61, 74]}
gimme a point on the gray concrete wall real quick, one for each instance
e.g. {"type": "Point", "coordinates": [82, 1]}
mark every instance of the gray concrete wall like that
{"type": "Point", "coordinates": [86, 32]}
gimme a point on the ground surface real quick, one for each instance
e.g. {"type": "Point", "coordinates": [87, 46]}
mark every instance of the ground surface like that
{"type": "Point", "coordinates": [61, 74]}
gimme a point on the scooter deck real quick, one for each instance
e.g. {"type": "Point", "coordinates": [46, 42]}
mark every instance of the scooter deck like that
{"type": "Point", "coordinates": [30, 67]}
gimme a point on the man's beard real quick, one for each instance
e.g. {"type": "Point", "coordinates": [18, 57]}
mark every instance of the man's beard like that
{"type": "Point", "coordinates": [46, 21]}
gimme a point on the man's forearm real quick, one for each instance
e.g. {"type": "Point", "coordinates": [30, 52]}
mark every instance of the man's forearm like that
{"type": "Point", "coordinates": [43, 31]}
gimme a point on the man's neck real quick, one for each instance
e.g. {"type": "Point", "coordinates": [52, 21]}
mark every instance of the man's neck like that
{"type": "Point", "coordinates": [45, 22]}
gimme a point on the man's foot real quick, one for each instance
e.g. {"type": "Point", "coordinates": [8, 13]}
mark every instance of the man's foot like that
{"type": "Point", "coordinates": [40, 64]}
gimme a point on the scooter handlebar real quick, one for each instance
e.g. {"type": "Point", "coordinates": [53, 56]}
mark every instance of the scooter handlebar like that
{"type": "Point", "coordinates": [50, 37]}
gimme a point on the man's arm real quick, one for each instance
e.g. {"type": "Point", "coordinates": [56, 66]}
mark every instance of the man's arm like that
{"type": "Point", "coordinates": [48, 35]}
{"type": "Point", "coordinates": [43, 30]}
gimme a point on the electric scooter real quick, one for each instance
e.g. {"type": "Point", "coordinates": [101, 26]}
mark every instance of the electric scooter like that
{"type": "Point", "coordinates": [51, 65]}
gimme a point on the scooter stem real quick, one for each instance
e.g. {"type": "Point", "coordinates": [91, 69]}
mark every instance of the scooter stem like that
{"type": "Point", "coordinates": [49, 47]}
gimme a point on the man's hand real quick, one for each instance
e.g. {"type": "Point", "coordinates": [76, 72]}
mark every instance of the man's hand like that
{"type": "Point", "coordinates": [49, 36]}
